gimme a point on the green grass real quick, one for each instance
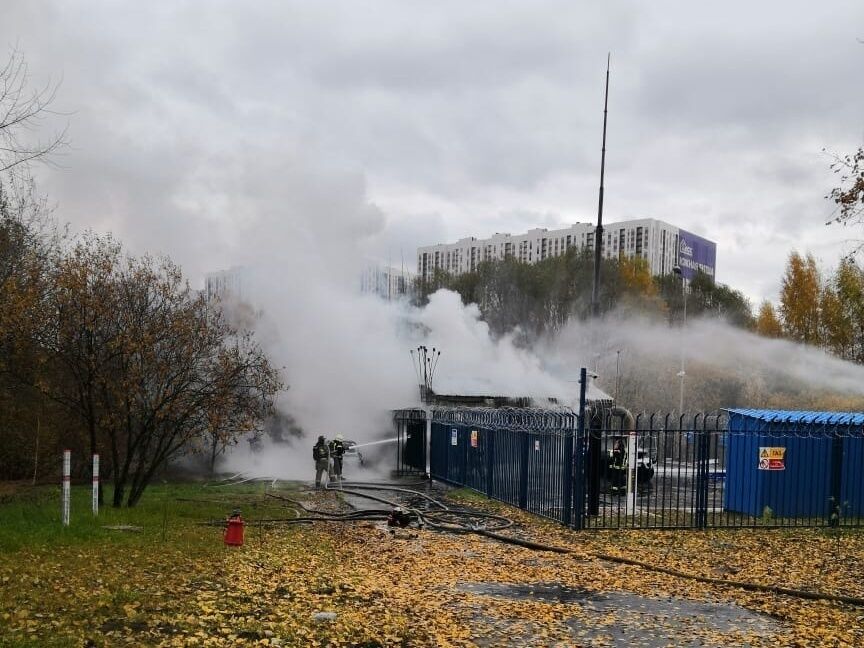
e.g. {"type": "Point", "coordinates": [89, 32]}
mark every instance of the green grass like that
{"type": "Point", "coordinates": [31, 516]}
{"type": "Point", "coordinates": [467, 495]}
{"type": "Point", "coordinates": [83, 584]}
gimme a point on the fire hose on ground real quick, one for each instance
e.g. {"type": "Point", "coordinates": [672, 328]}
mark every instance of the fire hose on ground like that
{"type": "Point", "coordinates": [451, 520]}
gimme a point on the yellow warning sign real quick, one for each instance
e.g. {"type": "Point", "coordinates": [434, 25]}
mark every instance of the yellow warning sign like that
{"type": "Point", "coordinates": [772, 453]}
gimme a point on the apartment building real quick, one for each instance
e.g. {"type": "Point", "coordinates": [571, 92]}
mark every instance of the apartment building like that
{"type": "Point", "coordinates": [662, 245]}
{"type": "Point", "coordinates": [232, 284]}
{"type": "Point", "coordinates": [385, 281]}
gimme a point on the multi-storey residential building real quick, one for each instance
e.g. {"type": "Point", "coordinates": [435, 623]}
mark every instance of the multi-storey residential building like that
{"type": "Point", "coordinates": [662, 245]}
{"type": "Point", "coordinates": [235, 284]}
{"type": "Point", "coordinates": [231, 284]}
{"type": "Point", "coordinates": [385, 281]}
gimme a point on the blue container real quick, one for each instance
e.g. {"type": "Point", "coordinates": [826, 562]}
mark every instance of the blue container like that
{"type": "Point", "coordinates": [852, 485]}
{"type": "Point", "coordinates": [820, 472]}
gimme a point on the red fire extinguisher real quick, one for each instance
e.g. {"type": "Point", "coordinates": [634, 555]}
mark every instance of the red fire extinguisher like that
{"type": "Point", "coordinates": [234, 529]}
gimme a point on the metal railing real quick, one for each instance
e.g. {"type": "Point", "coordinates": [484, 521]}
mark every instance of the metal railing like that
{"type": "Point", "coordinates": [519, 456]}
{"type": "Point", "coordinates": [706, 471]}
{"type": "Point", "coordinates": [656, 471]}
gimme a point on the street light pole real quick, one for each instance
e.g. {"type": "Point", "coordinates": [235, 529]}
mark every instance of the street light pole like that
{"type": "Point", "coordinates": [681, 374]}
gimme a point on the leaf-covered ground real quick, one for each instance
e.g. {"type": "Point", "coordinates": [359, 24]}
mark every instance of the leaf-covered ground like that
{"type": "Point", "coordinates": [176, 584]}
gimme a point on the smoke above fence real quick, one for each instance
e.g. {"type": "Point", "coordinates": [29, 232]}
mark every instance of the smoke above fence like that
{"type": "Point", "coordinates": [725, 366]}
{"type": "Point", "coordinates": [305, 241]}
{"type": "Point", "coordinates": [346, 358]}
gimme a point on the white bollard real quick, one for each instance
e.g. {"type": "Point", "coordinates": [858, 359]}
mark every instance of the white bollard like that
{"type": "Point", "coordinates": [95, 484]}
{"type": "Point", "coordinates": [631, 473]}
{"type": "Point", "coordinates": [67, 470]}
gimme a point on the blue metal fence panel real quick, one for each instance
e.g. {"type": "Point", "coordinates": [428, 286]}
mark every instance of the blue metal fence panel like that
{"type": "Point", "coordinates": [475, 455]}
{"type": "Point", "coordinates": [438, 452]}
{"type": "Point", "coordinates": [696, 472]}
{"type": "Point", "coordinates": [521, 457]}
{"type": "Point", "coordinates": [507, 470]}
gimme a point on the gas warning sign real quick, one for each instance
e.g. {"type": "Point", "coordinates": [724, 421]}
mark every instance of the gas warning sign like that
{"type": "Point", "coordinates": [772, 458]}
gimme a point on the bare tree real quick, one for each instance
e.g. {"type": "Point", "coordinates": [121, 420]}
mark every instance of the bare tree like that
{"type": "Point", "coordinates": [849, 196]}
{"type": "Point", "coordinates": [21, 111]}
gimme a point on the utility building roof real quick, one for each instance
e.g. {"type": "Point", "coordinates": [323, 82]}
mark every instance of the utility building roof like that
{"type": "Point", "coordinates": [798, 416]}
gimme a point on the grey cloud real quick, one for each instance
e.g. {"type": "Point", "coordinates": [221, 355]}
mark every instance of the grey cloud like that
{"type": "Point", "coordinates": [190, 126]}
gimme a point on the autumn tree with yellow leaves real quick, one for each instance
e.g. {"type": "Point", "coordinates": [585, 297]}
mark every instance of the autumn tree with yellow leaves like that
{"type": "Point", "coordinates": [767, 323]}
{"type": "Point", "coordinates": [150, 363]}
{"type": "Point", "coordinates": [79, 334]}
{"type": "Point", "coordinates": [822, 311]}
{"type": "Point", "coordinates": [147, 367]}
{"type": "Point", "coordinates": [800, 299]}
{"type": "Point", "coordinates": [843, 312]}
{"type": "Point", "coordinates": [637, 289]}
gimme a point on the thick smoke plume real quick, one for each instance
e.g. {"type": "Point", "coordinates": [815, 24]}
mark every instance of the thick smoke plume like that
{"type": "Point", "coordinates": [725, 366]}
{"type": "Point", "coordinates": [305, 241]}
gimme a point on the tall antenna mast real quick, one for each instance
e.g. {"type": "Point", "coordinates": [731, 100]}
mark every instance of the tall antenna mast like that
{"type": "Point", "coordinates": [598, 233]}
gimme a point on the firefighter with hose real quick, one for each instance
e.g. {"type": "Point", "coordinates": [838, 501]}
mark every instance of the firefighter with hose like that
{"type": "Point", "coordinates": [337, 451]}
{"type": "Point", "coordinates": [321, 455]}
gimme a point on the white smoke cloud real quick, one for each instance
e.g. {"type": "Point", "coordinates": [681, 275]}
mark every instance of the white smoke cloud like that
{"type": "Point", "coordinates": [305, 239]}
{"type": "Point", "coordinates": [651, 353]}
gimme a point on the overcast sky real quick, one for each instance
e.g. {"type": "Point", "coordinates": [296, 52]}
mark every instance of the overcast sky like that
{"type": "Point", "coordinates": [197, 128]}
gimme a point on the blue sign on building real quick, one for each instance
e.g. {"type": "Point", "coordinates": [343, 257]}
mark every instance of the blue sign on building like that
{"type": "Point", "coordinates": [696, 254]}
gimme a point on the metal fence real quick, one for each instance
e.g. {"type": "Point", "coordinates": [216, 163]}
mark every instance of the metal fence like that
{"type": "Point", "coordinates": [716, 470]}
{"type": "Point", "coordinates": [410, 427]}
{"type": "Point", "coordinates": [606, 470]}
{"type": "Point", "coordinates": [519, 456]}
{"type": "Point", "coordinates": [656, 471]}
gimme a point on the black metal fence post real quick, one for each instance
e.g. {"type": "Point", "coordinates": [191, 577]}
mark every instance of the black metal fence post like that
{"type": "Point", "coordinates": [577, 485]}
{"type": "Point", "coordinates": [702, 455]}
{"type": "Point", "coordinates": [594, 432]}
{"type": "Point", "coordinates": [400, 434]}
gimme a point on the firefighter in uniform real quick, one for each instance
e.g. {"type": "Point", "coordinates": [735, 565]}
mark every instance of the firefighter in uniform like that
{"type": "Point", "coordinates": [322, 459]}
{"type": "Point", "coordinates": [337, 451]}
